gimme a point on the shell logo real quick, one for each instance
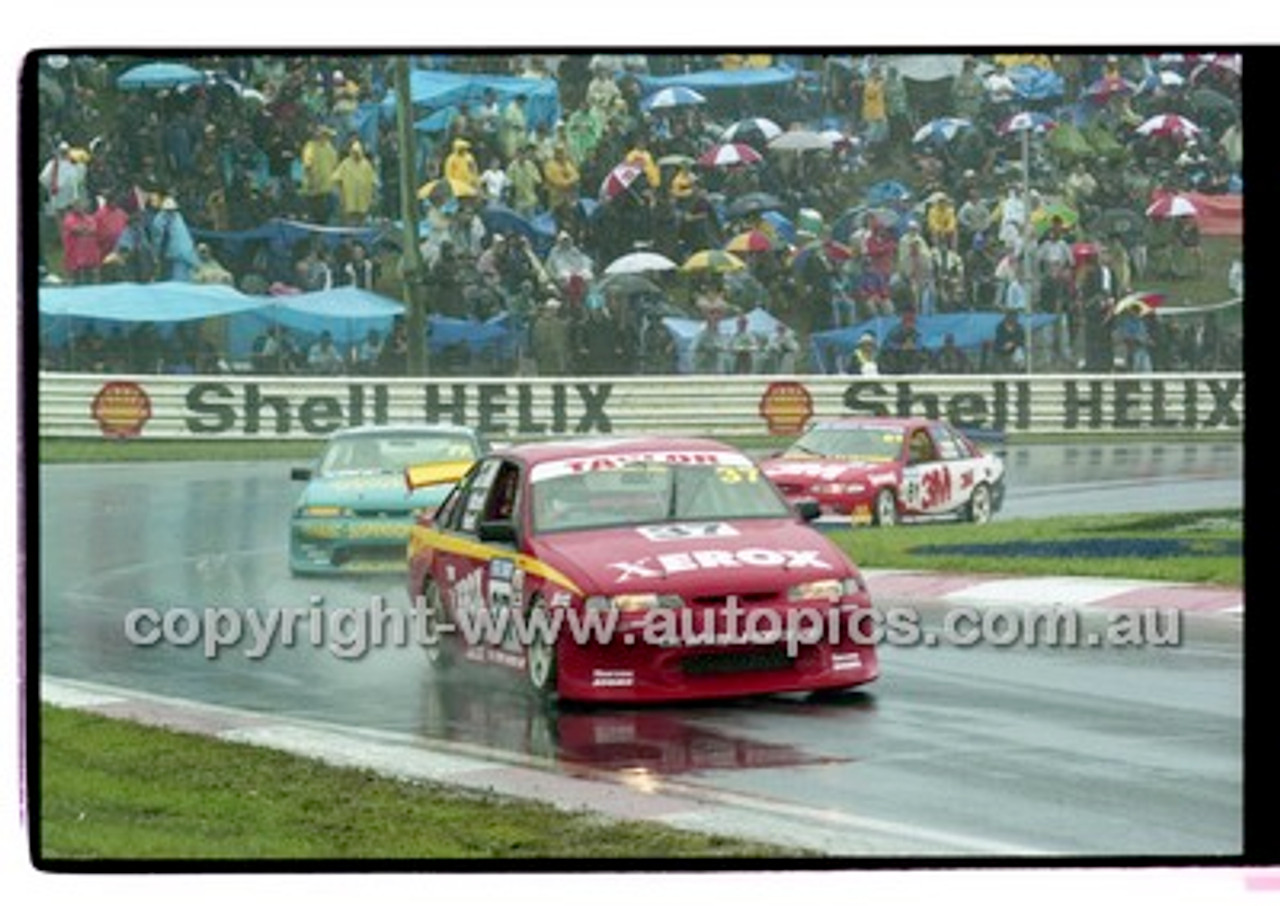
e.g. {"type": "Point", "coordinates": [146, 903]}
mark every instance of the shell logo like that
{"type": "Point", "coordinates": [786, 407]}
{"type": "Point", "coordinates": [121, 408]}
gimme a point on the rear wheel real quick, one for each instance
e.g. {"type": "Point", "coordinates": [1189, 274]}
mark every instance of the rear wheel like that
{"type": "Point", "coordinates": [886, 511]}
{"type": "Point", "coordinates": [979, 509]}
{"type": "Point", "coordinates": [540, 654]}
{"type": "Point", "coordinates": [439, 654]}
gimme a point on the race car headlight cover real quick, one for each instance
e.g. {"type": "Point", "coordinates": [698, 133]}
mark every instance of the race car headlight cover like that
{"type": "Point", "coordinates": [831, 590]}
{"type": "Point", "coordinates": [633, 602]}
{"type": "Point", "coordinates": [323, 512]}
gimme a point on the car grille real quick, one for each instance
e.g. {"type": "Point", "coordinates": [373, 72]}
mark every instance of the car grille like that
{"type": "Point", "coordinates": [717, 663]}
{"type": "Point", "coordinates": [381, 513]}
{"type": "Point", "coordinates": [750, 598]}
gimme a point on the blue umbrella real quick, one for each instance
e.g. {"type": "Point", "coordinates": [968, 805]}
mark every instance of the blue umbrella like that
{"type": "Point", "coordinates": [671, 97]}
{"type": "Point", "coordinates": [886, 192]}
{"type": "Point", "coordinates": [1032, 83]}
{"type": "Point", "coordinates": [158, 76]}
{"type": "Point", "coordinates": [941, 130]}
{"type": "Point", "coordinates": [499, 218]}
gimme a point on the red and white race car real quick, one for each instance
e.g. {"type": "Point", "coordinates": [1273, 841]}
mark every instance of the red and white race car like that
{"type": "Point", "coordinates": [878, 470]}
{"type": "Point", "coordinates": [664, 569]}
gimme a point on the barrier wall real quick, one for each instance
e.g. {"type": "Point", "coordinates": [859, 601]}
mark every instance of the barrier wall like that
{"type": "Point", "coordinates": [508, 409]}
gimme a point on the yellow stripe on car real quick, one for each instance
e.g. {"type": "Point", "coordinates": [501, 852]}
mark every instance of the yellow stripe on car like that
{"type": "Point", "coordinates": [434, 539]}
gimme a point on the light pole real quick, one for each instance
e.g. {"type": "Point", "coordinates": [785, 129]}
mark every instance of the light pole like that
{"type": "Point", "coordinates": [415, 296]}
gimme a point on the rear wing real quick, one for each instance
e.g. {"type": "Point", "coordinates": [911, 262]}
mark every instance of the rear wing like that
{"type": "Point", "coordinates": [435, 473]}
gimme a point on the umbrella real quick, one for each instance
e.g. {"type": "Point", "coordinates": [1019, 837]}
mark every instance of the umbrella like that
{"type": "Point", "coordinates": [886, 217]}
{"type": "Point", "coordinates": [753, 203]}
{"type": "Point", "coordinates": [1027, 121]}
{"type": "Point", "coordinates": [1165, 78]}
{"type": "Point", "coordinates": [639, 263]}
{"type": "Point", "coordinates": [629, 284]}
{"type": "Point", "coordinates": [1108, 87]}
{"type": "Point", "coordinates": [1117, 221]}
{"type": "Point", "coordinates": [1034, 83]}
{"type": "Point", "coordinates": [750, 241]}
{"type": "Point", "coordinates": [886, 191]}
{"type": "Point", "coordinates": [1141, 303]}
{"type": "Point", "coordinates": [781, 226]}
{"type": "Point", "coordinates": [834, 252]}
{"type": "Point", "coordinates": [714, 260]}
{"type": "Point", "coordinates": [159, 76]}
{"type": "Point", "coordinates": [1083, 250]}
{"type": "Point", "coordinates": [801, 140]}
{"type": "Point", "coordinates": [666, 98]}
{"type": "Point", "coordinates": [1172, 204]}
{"type": "Point", "coordinates": [619, 180]}
{"type": "Point", "coordinates": [1042, 219]}
{"type": "Point", "coordinates": [498, 218]}
{"type": "Point", "coordinates": [1217, 64]}
{"type": "Point", "coordinates": [1169, 124]}
{"type": "Point", "coordinates": [941, 130]}
{"type": "Point", "coordinates": [753, 130]}
{"type": "Point", "coordinates": [733, 154]}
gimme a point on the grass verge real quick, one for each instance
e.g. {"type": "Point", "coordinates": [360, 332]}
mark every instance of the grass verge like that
{"type": "Point", "coordinates": [1201, 546]}
{"type": "Point", "coordinates": [115, 790]}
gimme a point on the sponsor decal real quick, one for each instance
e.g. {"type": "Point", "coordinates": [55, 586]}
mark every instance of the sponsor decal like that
{"type": "Point", "coordinates": [663, 565]}
{"type": "Point", "coordinates": [583, 464]}
{"type": "Point", "coordinates": [786, 407]}
{"type": "Point", "coordinates": [1119, 403]}
{"type": "Point", "coordinates": [682, 531]}
{"type": "Point", "coordinates": [121, 408]}
{"type": "Point", "coordinates": [612, 678]}
{"type": "Point", "coordinates": [494, 409]}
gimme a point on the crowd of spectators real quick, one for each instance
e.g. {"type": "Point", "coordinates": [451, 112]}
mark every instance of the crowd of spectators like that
{"type": "Point", "coordinates": [133, 178]}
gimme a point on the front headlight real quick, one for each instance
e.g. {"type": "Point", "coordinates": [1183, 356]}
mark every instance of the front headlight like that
{"type": "Point", "coordinates": [836, 487]}
{"type": "Point", "coordinates": [323, 512]}
{"type": "Point", "coordinates": [830, 590]}
{"type": "Point", "coordinates": [633, 602]}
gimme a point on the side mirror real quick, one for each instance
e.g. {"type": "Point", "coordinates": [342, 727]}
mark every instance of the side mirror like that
{"type": "Point", "coordinates": [502, 531]}
{"type": "Point", "coordinates": [300, 473]}
{"type": "Point", "coordinates": [808, 510]}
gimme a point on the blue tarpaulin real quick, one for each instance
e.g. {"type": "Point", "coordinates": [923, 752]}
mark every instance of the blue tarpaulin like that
{"type": "Point", "coordinates": [720, 79]}
{"type": "Point", "coordinates": [434, 90]}
{"type": "Point", "coordinates": [685, 330]}
{"type": "Point", "coordinates": [830, 348]}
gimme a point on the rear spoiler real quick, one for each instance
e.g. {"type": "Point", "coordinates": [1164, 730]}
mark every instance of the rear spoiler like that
{"type": "Point", "coordinates": [434, 473]}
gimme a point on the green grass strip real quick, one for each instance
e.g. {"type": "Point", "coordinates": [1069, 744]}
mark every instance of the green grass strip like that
{"type": "Point", "coordinates": [115, 790]}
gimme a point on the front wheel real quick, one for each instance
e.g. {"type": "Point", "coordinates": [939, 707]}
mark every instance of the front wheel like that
{"type": "Point", "coordinates": [540, 654]}
{"type": "Point", "coordinates": [979, 509]}
{"type": "Point", "coordinates": [886, 511]}
{"type": "Point", "coordinates": [439, 654]}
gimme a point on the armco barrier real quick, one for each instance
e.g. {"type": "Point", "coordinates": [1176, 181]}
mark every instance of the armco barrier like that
{"type": "Point", "coordinates": [217, 407]}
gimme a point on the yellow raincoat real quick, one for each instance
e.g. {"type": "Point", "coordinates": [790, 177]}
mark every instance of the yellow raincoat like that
{"type": "Point", "coordinates": [357, 184]}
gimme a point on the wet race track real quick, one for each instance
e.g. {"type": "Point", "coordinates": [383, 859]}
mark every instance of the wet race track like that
{"type": "Point", "coordinates": [981, 750]}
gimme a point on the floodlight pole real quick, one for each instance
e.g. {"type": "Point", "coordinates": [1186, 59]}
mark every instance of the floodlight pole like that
{"type": "Point", "coordinates": [1026, 227]}
{"type": "Point", "coordinates": [415, 288]}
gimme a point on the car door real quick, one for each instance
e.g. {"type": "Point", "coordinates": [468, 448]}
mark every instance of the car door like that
{"type": "Point", "coordinates": [926, 479]}
{"type": "Point", "coordinates": [955, 454]}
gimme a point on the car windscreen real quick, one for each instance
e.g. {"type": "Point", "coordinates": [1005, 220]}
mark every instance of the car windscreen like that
{"type": "Point", "coordinates": [863, 442]}
{"type": "Point", "coordinates": [641, 493]}
{"type": "Point", "coordinates": [393, 452]}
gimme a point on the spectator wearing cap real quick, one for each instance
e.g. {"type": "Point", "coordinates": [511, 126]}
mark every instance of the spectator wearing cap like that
{"type": "Point", "coordinates": [863, 360]}
{"type": "Point", "coordinates": [356, 180]}
{"type": "Point", "coordinates": [174, 247]}
{"type": "Point", "coordinates": [63, 179]}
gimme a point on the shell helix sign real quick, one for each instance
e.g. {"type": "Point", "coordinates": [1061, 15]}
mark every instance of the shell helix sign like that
{"type": "Point", "coordinates": [121, 408]}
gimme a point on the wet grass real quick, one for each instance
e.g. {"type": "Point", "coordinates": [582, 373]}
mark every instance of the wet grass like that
{"type": "Point", "coordinates": [114, 790]}
{"type": "Point", "coordinates": [1199, 546]}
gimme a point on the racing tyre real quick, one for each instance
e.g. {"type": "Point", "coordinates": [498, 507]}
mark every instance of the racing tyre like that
{"type": "Point", "coordinates": [979, 508]}
{"type": "Point", "coordinates": [886, 507]}
{"type": "Point", "coordinates": [436, 645]}
{"type": "Point", "coordinates": [540, 657]}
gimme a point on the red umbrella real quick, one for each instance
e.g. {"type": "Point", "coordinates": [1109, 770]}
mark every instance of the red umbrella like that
{"type": "Point", "coordinates": [619, 180]}
{"type": "Point", "coordinates": [1169, 124]}
{"type": "Point", "coordinates": [1171, 204]}
{"type": "Point", "coordinates": [834, 252]}
{"type": "Point", "coordinates": [731, 154]}
{"type": "Point", "coordinates": [1108, 87]}
{"type": "Point", "coordinates": [750, 241]}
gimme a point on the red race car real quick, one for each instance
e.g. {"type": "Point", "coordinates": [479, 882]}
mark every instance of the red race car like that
{"type": "Point", "coordinates": [877, 470]}
{"type": "Point", "coordinates": [638, 570]}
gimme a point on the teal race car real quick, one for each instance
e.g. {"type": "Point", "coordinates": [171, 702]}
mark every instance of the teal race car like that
{"type": "Point", "coordinates": [355, 512]}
